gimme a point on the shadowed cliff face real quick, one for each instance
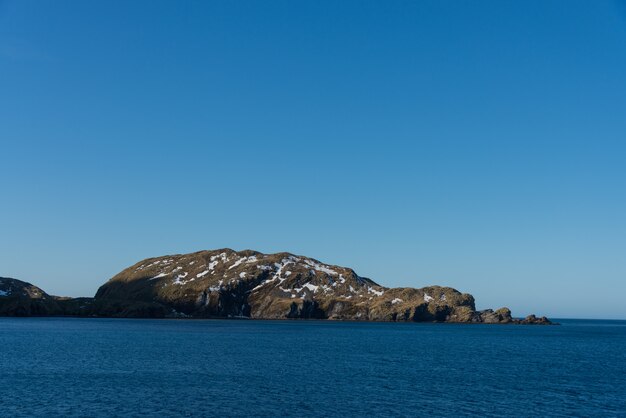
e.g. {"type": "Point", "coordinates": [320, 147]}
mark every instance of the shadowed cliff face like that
{"type": "Point", "coordinates": [249, 284]}
{"type": "Point", "coordinates": [18, 298]}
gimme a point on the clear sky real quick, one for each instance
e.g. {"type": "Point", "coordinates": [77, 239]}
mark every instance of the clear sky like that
{"type": "Point", "coordinates": [479, 145]}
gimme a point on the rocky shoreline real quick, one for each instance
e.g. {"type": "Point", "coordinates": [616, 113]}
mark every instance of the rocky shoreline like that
{"type": "Point", "coordinates": [252, 285]}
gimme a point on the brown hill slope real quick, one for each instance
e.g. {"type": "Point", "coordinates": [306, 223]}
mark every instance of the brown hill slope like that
{"type": "Point", "coordinates": [249, 284]}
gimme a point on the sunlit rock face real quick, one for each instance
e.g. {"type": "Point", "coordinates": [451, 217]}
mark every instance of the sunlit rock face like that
{"type": "Point", "coordinates": [249, 284]}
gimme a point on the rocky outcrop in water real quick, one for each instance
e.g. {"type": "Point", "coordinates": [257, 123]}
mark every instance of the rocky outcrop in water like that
{"type": "Point", "coordinates": [248, 284]}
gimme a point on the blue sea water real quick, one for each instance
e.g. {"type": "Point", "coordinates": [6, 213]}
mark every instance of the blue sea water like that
{"type": "Point", "coordinates": [117, 367]}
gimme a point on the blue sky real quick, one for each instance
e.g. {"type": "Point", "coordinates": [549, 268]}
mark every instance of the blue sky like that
{"type": "Point", "coordinates": [479, 145]}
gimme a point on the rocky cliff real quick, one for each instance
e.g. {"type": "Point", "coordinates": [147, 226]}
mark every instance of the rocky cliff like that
{"type": "Point", "coordinates": [248, 284]}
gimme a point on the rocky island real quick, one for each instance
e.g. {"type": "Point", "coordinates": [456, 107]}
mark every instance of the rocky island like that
{"type": "Point", "coordinates": [248, 284]}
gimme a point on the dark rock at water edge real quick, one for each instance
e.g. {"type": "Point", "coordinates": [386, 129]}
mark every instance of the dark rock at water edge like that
{"type": "Point", "coordinates": [533, 320]}
{"type": "Point", "coordinates": [18, 298]}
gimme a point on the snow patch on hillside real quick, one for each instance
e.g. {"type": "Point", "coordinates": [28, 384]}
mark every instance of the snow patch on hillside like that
{"type": "Point", "coordinates": [321, 267]}
{"type": "Point", "coordinates": [158, 276]}
{"type": "Point", "coordinates": [220, 256]}
{"type": "Point", "coordinates": [374, 291]}
{"type": "Point", "coordinates": [179, 279]}
{"type": "Point", "coordinates": [242, 260]}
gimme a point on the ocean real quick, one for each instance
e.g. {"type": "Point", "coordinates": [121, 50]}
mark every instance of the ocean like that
{"type": "Point", "coordinates": [135, 368]}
